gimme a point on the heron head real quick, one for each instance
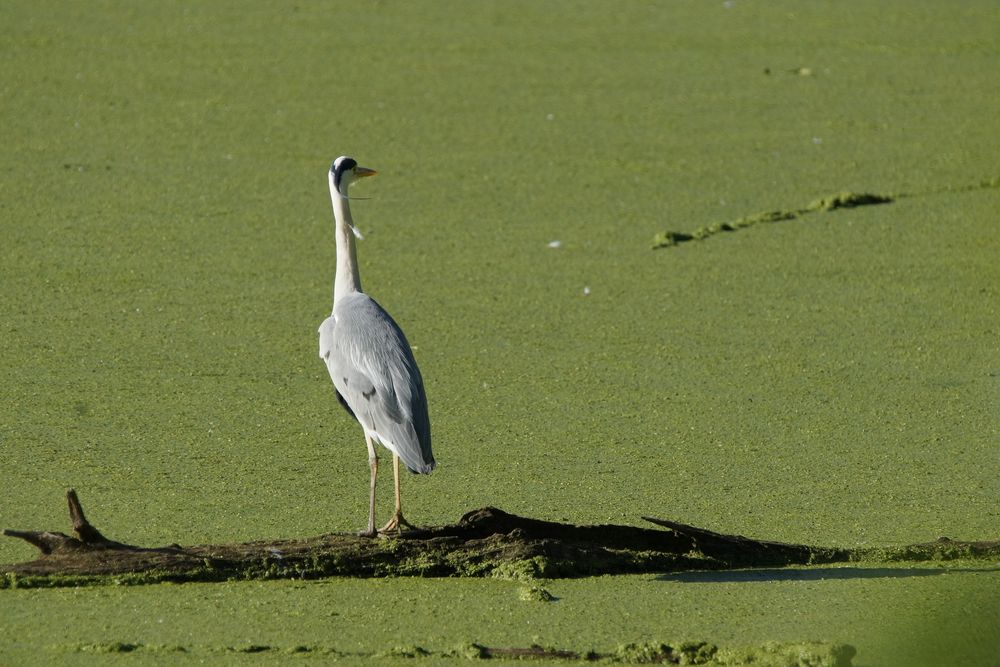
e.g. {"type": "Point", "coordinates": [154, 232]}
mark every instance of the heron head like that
{"type": "Point", "coordinates": [344, 171]}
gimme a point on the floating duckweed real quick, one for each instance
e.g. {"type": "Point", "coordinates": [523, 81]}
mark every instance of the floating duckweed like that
{"type": "Point", "coordinates": [643, 653]}
{"type": "Point", "coordinates": [108, 647]}
{"type": "Point", "coordinates": [794, 654]}
{"type": "Point", "coordinates": [535, 594]}
{"type": "Point", "coordinates": [406, 652]}
{"type": "Point", "coordinates": [472, 651]}
{"type": "Point", "coordinates": [830, 203]}
{"type": "Point", "coordinates": [848, 200]}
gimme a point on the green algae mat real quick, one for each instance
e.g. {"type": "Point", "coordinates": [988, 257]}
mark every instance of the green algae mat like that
{"type": "Point", "coordinates": [727, 263]}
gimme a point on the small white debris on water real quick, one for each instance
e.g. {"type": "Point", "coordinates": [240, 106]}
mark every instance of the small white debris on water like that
{"type": "Point", "coordinates": [586, 291]}
{"type": "Point", "coordinates": [555, 244]}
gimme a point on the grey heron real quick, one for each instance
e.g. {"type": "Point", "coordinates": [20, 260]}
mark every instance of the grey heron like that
{"type": "Point", "coordinates": [370, 361]}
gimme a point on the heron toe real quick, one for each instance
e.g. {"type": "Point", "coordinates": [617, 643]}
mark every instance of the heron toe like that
{"type": "Point", "coordinates": [396, 524]}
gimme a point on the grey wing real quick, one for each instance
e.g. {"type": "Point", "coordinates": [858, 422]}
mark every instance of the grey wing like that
{"type": "Point", "coordinates": [325, 348]}
{"type": "Point", "coordinates": [373, 369]}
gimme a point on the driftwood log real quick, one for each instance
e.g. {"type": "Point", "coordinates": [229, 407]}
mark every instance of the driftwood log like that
{"type": "Point", "coordinates": [484, 542]}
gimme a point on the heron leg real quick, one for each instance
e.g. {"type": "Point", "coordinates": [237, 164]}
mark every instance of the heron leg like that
{"type": "Point", "coordinates": [373, 465]}
{"type": "Point", "coordinates": [397, 522]}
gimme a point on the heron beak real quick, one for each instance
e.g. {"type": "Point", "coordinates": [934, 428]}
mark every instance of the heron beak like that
{"type": "Point", "coordinates": [361, 172]}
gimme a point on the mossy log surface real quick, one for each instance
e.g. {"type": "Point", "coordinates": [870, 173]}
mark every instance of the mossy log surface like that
{"type": "Point", "coordinates": [484, 542]}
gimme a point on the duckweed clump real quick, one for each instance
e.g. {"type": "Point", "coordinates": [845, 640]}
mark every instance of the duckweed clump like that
{"type": "Point", "coordinates": [830, 203]}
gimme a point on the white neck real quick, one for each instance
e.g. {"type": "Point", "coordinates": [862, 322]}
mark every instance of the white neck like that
{"type": "Point", "coordinates": [347, 280]}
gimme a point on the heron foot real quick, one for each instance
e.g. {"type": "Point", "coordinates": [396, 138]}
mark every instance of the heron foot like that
{"type": "Point", "coordinates": [396, 525]}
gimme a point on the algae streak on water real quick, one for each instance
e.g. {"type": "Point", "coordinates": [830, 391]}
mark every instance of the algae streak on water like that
{"type": "Point", "coordinates": [831, 203]}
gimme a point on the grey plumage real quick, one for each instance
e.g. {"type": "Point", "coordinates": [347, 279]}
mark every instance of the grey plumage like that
{"type": "Point", "coordinates": [373, 369]}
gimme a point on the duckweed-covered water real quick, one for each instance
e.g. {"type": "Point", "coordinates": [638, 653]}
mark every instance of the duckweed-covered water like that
{"type": "Point", "coordinates": [833, 378]}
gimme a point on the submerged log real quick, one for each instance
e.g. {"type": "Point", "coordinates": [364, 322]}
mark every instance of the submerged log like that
{"type": "Point", "coordinates": [484, 542]}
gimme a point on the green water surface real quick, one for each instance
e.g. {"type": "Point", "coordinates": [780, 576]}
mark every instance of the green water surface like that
{"type": "Point", "coordinates": [166, 257]}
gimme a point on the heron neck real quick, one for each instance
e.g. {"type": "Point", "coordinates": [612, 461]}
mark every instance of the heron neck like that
{"type": "Point", "coordinates": [347, 279]}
